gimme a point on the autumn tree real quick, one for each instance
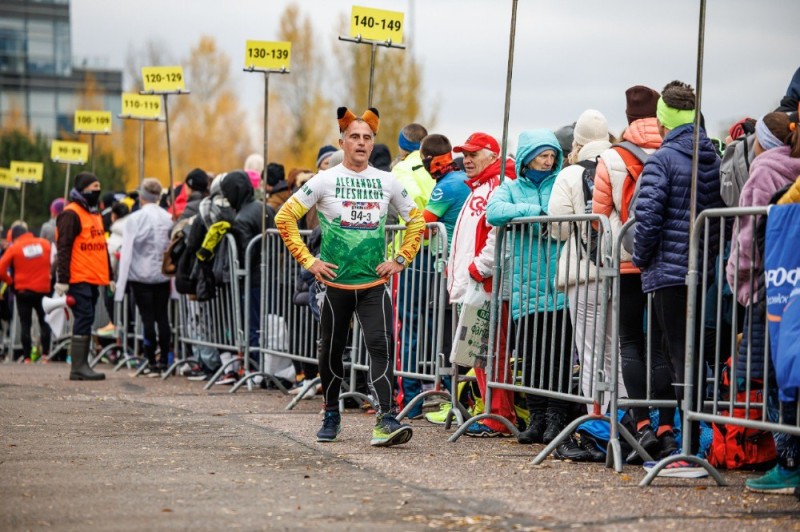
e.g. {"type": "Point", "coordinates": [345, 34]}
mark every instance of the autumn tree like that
{"type": "Point", "coordinates": [303, 113]}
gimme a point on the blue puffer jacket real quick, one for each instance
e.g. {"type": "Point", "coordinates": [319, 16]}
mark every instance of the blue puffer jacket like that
{"type": "Point", "coordinates": [533, 286]}
{"type": "Point", "coordinates": [662, 209]}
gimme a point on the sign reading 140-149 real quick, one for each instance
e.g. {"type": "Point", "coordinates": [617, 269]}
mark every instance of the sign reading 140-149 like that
{"type": "Point", "coordinates": [93, 122]}
{"type": "Point", "coordinates": [62, 151]}
{"type": "Point", "coordinates": [140, 105]}
{"type": "Point", "coordinates": [376, 24]}
{"type": "Point", "coordinates": [27, 172]}
{"type": "Point", "coordinates": [163, 79]}
{"type": "Point", "coordinates": [267, 55]}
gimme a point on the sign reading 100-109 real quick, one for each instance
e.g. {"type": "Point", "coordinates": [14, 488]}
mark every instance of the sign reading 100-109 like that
{"type": "Point", "coordinates": [265, 55]}
{"type": "Point", "coordinates": [376, 24]}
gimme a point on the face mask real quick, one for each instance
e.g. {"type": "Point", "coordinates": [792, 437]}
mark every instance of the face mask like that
{"type": "Point", "coordinates": [92, 197]}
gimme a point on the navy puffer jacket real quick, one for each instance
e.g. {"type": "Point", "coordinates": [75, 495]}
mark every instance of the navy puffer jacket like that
{"type": "Point", "coordinates": [662, 209]}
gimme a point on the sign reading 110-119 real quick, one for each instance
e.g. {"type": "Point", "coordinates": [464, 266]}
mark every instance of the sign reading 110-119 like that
{"type": "Point", "coordinates": [376, 24]}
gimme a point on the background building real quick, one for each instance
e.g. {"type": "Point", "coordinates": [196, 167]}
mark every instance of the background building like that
{"type": "Point", "coordinates": [39, 84]}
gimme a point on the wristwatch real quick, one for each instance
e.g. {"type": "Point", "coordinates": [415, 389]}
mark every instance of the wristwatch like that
{"type": "Point", "coordinates": [401, 260]}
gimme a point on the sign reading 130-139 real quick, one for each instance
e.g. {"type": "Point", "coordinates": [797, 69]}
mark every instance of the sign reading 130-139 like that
{"type": "Point", "coordinates": [163, 79]}
{"type": "Point", "coordinates": [376, 24]}
{"type": "Point", "coordinates": [265, 55]}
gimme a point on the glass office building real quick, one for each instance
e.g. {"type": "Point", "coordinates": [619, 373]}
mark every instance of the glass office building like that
{"type": "Point", "coordinates": [38, 80]}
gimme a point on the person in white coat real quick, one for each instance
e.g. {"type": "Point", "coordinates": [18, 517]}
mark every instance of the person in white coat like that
{"type": "Point", "coordinates": [144, 241]}
{"type": "Point", "coordinates": [577, 268]}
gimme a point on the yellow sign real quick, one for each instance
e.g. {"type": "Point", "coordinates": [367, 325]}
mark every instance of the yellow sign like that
{"type": "Point", "coordinates": [93, 122]}
{"type": "Point", "coordinates": [140, 105]}
{"type": "Point", "coordinates": [377, 24]}
{"type": "Point", "coordinates": [7, 180]}
{"type": "Point", "coordinates": [62, 151]}
{"type": "Point", "coordinates": [267, 55]}
{"type": "Point", "coordinates": [163, 79]}
{"type": "Point", "coordinates": [27, 172]}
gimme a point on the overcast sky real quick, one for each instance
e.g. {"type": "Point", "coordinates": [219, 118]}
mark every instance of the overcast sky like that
{"type": "Point", "coordinates": [570, 54]}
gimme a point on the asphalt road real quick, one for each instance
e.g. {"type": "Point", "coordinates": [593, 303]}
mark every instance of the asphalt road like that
{"type": "Point", "coordinates": [146, 454]}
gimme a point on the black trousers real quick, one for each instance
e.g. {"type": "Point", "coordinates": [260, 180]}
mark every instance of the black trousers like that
{"type": "Point", "coordinates": [27, 302]}
{"type": "Point", "coordinates": [152, 300]}
{"type": "Point", "coordinates": [373, 309]}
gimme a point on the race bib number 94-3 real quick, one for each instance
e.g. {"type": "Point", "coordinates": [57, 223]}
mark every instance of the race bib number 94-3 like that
{"type": "Point", "coordinates": [360, 215]}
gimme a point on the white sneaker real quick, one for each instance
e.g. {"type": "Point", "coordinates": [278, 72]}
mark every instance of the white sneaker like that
{"type": "Point", "coordinates": [304, 389]}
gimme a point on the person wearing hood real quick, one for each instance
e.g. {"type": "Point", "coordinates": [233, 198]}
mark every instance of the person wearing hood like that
{"type": "Point", "coordinates": [83, 266]}
{"type": "Point", "coordinates": [537, 306]}
{"type": "Point", "coordinates": [577, 269]}
{"type": "Point", "coordinates": [144, 241]}
{"type": "Point", "coordinates": [25, 266]}
{"type": "Point", "coordinates": [278, 188]}
{"type": "Point", "coordinates": [323, 157]}
{"type": "Point", "coordinates": [197, 182]}
{"type": "Point", "coordinates": [48, 230]}
{"type": "Point", "coordinates": [247, 224]}
{"type": "Point", "coordinates": [661, 236]}
{"type": "Point", "coordinates": [472, 259]}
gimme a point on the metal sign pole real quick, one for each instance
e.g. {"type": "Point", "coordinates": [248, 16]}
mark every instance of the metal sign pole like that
{"type": "Point", "coordinates": [22, 203]}
{"type": "Point", "coordinates": [509, 70]}
{"type": "Point", "coordinates": [141, 152]}
{"type": "Point", "coordinates": [66, 184]}
{"type": "Point", "coordinates": [3, 215]}
{"type": "Point", "coordinates": [374, 44]}
{"type": "Point", "coordinates": [169, 160]}
{"type": "Point", "coordinates": [93, 136]}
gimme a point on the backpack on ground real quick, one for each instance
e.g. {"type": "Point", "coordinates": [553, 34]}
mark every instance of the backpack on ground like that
{"type": "Point", "coordinates": [736, 447]}
{"type": "Point", "coordinates": [634, 158]}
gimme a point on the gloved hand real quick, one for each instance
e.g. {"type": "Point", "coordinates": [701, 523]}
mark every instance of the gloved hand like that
{"type": "Point", "coordinates": [61, 289]}
{"type": "Point", "coordinates": [112, 286]}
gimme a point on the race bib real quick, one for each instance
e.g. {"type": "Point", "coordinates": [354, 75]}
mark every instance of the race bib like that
{"type": "Point", "coordinates": [31, 251]}
{"type": "Point", "coordinates": [360, 214]}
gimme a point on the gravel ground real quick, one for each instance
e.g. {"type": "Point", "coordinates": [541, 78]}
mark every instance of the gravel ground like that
{"type": "Point", "coordinates": [136, 454]}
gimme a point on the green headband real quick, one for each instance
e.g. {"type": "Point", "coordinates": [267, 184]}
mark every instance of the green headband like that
{"type": "Point", "coordinates": [671, 118]}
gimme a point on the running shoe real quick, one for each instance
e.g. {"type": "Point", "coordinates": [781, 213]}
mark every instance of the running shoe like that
{"type": "Point", "coordinates": [479, 430]}
{"type": "Point", "coordinates": [331, 426]}
{"type": "Point", "coordinates": [439, 417]}
{"type": "Point", "coordinates": [776, 480]}
{"type": "Point", "coordinates": [388, 431]}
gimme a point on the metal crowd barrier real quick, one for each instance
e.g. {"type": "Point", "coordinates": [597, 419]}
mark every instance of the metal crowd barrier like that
{"type": "Point", "coordinates": [705, 398]}
{"type": "Point", "coordinates": [216, 323]}
{"type": "Point", "coordinates": [286, 332]}
{"type": "Point", "coordinates": [419, 297]}
{"type": "Point", "coordinates": [543, 355]}
{"type": "Point", "coordinates": [125, 349]}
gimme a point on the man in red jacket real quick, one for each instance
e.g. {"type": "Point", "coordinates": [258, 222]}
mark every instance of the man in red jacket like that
{"type": "Point", "coordinates": [28, 260]}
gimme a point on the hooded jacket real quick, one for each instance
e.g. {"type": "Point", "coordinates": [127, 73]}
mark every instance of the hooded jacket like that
{"type": "Point", "coordinates": [770, 172]}
{"type": "Point", "coordinates": [532, 284]}
{"type": "Point", "coordinates": [473, 237]}
{"type": "Point", "coordinates": [611, 175]}
{"type": "Point", "coordinates": [238, 190]}
{"type": "Point", "coordinates": [567, 198]}
{"type": "Point", "coordinates": [662, 210]}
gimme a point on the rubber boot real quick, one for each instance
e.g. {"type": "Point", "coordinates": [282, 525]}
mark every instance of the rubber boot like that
{"type": "Point", "coordinates": [79, 353]}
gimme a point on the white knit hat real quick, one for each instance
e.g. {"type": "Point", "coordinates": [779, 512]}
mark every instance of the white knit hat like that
{"type": "Point", "coordinates": [591, 125]}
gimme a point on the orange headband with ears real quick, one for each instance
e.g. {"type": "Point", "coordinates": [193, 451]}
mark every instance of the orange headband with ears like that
{"type": "Point", "coordinates": [345, 117]}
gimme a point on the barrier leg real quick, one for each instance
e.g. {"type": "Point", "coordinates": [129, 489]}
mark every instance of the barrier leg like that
{"type": "Point", "coordinates": [653, 473]}
{"type": "Point", "coordinates": [420, 398]}
{"type": "Point", "coordinates": [313, 383]}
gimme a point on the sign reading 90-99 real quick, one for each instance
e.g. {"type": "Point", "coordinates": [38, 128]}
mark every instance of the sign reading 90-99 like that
{"type": "Point", "coordinates": [96, 122]}
{"type": "Point", "coordinates": [163, 79]}
{"type": "Point", "coordinates": [63, 151]}
{"type": "Point", "coordinates": [266, 55]}
{"type": "Point", "coordinates": [376, 24]}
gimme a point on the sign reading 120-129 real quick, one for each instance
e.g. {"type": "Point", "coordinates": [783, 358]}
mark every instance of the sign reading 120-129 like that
{"type": "Point", "coordinates": [163, 79]}
{"type": "Point", "coordinates": [267, 55]}
{"type": "Point", "coordinates": [376, 24]}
